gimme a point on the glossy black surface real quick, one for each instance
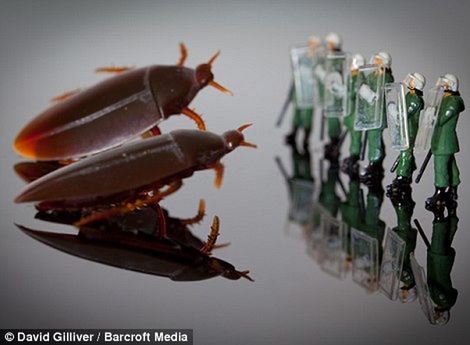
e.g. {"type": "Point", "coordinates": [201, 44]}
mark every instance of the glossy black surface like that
{"type": "Point", "coordinates": [48, 49]}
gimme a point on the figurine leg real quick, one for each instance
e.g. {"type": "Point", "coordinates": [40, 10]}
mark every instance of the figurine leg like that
{"type": "Point", "coordinates": [195, 117]}
{"type": "Point", "coordinates": [201, 212]}
{"type": "Point", "coordinates": [212, 237]}
{"type": "Point", "coordinates": [130, 206]}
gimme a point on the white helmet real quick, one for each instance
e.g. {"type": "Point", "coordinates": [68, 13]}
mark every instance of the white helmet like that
{"type": "Point", "coordinates": [384, 57]}
{"type": "Point", "coordinates": [357, 61]}
{"type": "Point", "coordinates": [334, 39]}
{"type": "Point", "coordinates": [451, 81]}
{"type": "Point", "coordinates": [418, 80]}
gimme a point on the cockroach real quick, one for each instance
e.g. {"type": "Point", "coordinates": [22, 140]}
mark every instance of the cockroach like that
{"type": "Point", "coordinates": [180, 258]}
{"type": "Point", "coordinates": [132, 175]}
{"type": "Point", "coordinates": [115, 110]}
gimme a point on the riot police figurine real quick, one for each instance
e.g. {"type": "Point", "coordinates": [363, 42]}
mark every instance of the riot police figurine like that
{"type": "Point", "coordinates": [333, 44]}
{"type": "Point", "coordinates": [303, 111]}
{"type": "Point", "coordinates": [350, 164]}
{"type": "Point", "coordinates": [405, 164]}
{"type": "Point", "coordinates": [445, 144]}
{"type": "Point", "coordinates": [370, 91]}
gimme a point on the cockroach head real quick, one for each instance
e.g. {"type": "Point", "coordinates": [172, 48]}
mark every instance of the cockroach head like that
{"type": "Point", "coordinates": [204, 74]}
{"type": "Point", "coordinates": [235, 138]}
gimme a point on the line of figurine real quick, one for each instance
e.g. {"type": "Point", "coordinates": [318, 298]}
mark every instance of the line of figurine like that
{"type": "Point", "coordinates": [356, 98]}
{"type": "Point", "coordinates": [346, 234]}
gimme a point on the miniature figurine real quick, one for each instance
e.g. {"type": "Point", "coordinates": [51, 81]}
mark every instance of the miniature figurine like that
{"type": "Point", "coordinates": [371, 91]}
{"type": "Point", "coordinates": [333, 43]}
{"type": "Point", "coordinates": [349, 164]}
{"type": "Point", "coordinates": [300, 185]}
{"type": "Point", "coordinates": [301, 91]}
{"type": "Point", "coordinates": [440, 260]}
{"type": "Point", "coordinates": [404, 207]}
{"type": "Point", "coordinates": [445, 144]}
{"type": "Point", "coordinates": [405, 164]}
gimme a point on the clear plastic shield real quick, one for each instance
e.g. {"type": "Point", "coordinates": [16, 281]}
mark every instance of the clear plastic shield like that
{"type": "Point", "coordinates": [316, 231]}
{"type": "Point", "coordinates": [392, 264]}
{"type": "Point", "coordinates": [302, 59]}
{"type": "Point", "coordinates": [336, 83]}
{"type": "Point", "coordinates": [332, 255]}
{"type": "Point", "coordinates": [369, 98]}
{"type": "Point", "coordinates": [423, 289]}
{"type": "Point", "coordinates": [301, 203]}
{"type": "Point", "coordinates": [365, 260]}
{"type": "Point", "coordinates": [427, 119]}
{"type": "Point", "coordinates": [397, 115]}
{"type": "Point", "coordinates": [319, 74]}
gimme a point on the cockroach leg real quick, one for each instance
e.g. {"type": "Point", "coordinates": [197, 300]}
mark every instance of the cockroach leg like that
{"type": "Point", "coordinates": [212, 237]}
{"type": "Point", "coordinates": [222, 245]}
{"type": "Point", "coordinates": [162, 221]}
{"type": "Point", "coordinates": [65, 95]}
{"type": "Point", "coordinates": [201, 212]}
{"type": "Point", "coordinates": [245, 274]}
{"type": "Point", "coordinates": [130, 206]}
{"type": "Point", "coordinates": [219, 173]}
{"type": "Point", "coordinates": [152, 132]}
{"type": "Point", "coordinates": [115, 70]}
{"type": "Point", "coordinates": [195, 117]}
{"type": "Point", "coordinates": [183, 55]}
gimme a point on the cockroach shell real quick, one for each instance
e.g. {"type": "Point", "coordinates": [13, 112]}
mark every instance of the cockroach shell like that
{"type": "Point", "coordinates": [108, 114]}
{"type": "Point", "coordinates": [131, 167]}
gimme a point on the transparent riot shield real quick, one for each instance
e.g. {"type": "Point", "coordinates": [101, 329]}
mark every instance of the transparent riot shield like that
{"type": "Point", "coordinates": [332, 255]}
{"type": "Point", "coordinates": [302, 58]}
{"type": "Point", "coordinates": [336, 83]}
{"type": "Point", "coordinates": [423, 290]}
{"type": "Point", "coordinates": [369, 98]}
{"type": "Point", "coordinates": [392, 264]}
{"type": "Point", "coordinates": [301, 202]}
{"type": "Point", "coordinates": [365, 260]}
{"type": "Point", "coordinates": [397, 115]}
{"type": "Point", "coordinates": [316, 231]}
{"type": "Point", "coordinates": [319, 74]}
{"type": "Point", "coordinates": [428, 118]}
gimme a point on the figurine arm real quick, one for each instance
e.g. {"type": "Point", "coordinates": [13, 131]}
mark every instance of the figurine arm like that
{"type": "Point", "coordinates": [366, 93]}
{"type": "Point", "coordinates": [320, 72]}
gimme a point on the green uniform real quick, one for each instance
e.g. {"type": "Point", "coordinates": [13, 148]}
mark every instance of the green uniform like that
{"type": "Point", "coordinates": [414, 104]}
{"type": "Point", "coordinates": [374, 226]}
{"type": "Point", "coordinates": [376, 151]}
{"type": "Point", "coordinates": [440, 260]}
{"type": "Point", "coordinates": [407, 233]}
{"type": "Point", "coordinates": [302, 118]}
{"type": "Point", "coordinates": [356, 136]}
{"type": "Point", "coordinates": [300, 187]}
{"type": "Point", "coordinates": [444, 142]}
{"type": "Point", "coordinates": [351, 209]}
{"type": "Point", "coordinates": [328, 198]}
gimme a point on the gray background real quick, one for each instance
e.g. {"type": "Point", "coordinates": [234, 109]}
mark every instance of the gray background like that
{"type": "Point", "coordinates": [51, 47]}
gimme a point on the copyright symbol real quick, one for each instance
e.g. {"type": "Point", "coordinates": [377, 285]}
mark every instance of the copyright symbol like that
{"type": "Point", "coordinates": [9, 336]}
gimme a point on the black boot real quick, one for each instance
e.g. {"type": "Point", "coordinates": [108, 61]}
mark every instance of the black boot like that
{"type": "Point", "coordinates": [373, 174]}
{"type": "Point", "coordinates": [331, 151]}
{"type": "Point", "coordinates": [401, 184]}
{"type": "Point", "coordinates": [307, 138]}
{"type": "Point", "coordinates": [452, 193]}
{"type": "Point", "coordinates": [438, 200]}
{"type": "Point", "coordinates": [350, 166]}
{"type": "Point", "coordinates": [290, 138]}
